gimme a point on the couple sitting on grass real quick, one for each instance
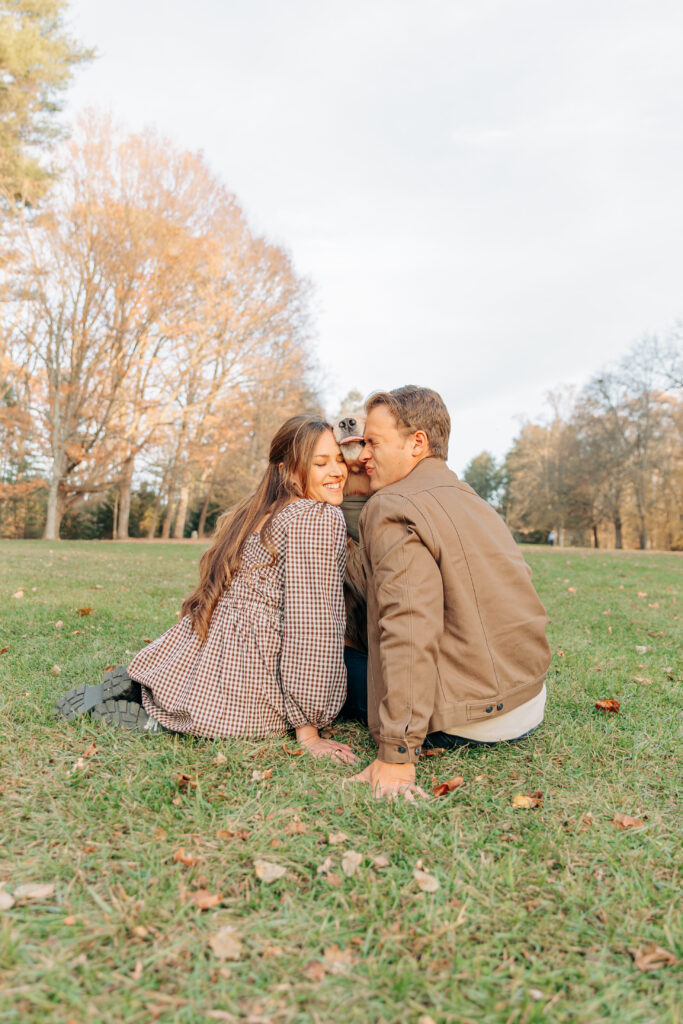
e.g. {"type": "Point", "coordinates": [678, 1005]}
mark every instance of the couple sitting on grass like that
{"type": "Point", "coordinates": [457, 652]}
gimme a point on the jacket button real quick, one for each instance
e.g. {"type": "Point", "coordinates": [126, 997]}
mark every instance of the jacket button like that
{"type": "Point", "coordinates": [418, 751]}
{"type": "Point", "coordinates": [402, 750]}
{"type": "Point", "coordinates": [499, 707]}
{"type": "Point", "coordinates": [489, 709]}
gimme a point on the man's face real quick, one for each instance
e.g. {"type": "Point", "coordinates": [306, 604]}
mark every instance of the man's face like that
{"type": "Point", "coordinates": [388, 454]}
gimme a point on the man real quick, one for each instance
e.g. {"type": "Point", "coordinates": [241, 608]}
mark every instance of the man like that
{"type": "Point", "coordinates": [456, 632]}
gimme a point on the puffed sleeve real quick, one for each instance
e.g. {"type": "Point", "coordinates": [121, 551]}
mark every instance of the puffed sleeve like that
{"type": "Point", "coordinates": [312, 672]}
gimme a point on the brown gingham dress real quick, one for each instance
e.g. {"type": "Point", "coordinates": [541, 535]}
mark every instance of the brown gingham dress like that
{"type": "Point", "coordinates": [273, 658]}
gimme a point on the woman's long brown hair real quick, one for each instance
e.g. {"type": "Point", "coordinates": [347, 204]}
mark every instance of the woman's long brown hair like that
{"type": "Point", "coordinates": [285, 480]}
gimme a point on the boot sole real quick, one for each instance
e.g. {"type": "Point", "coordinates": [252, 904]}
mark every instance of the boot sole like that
{"type": "Point", "coordinates": [119, 686]}
{"type": "Point", "coordinates": [124, 714]}
{"type": "Point", "coordinates": [70, 704]}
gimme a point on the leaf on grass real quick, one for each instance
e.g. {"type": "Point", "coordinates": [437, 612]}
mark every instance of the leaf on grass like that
{"type": "Point", "coordinates": [185, 781]}
{"type": "Point", "coordinates": [4, 650]}
{"type": "Point", "coordinates": [6, 901]}
{"type": "Point", "coordinates": [351, 861]}
{"type": "Point", "coordinates": [226, 944]}
{"type": "Point", "coordinates": [35, 891]}
{"type": "Point", "coordinates": [220, 758]}
{"type": "Point", "coordinates": [257, 776]}
{"type": "Point", "coordinates": [609, 705]}
{"type": "Point", "coordinates": [136, 973]}
{"type": "Point", "coordinates": [433, 751]}
{"type": "Point", "coordinates": [205, 900]}
{"type": "Point", "coordinates": [652, 958]}
{"type": "Point", "coordinates": [226, 833]}
{"type": "Point", "coordinates": [292, 753]}
{"type": "Point", "coordinates": [642, 648]}
{"type": "Point", "coordinates": [333, 879]}
{"type": "Point", "coordinates": [443, 788]}
{"type": "Point", "coordinates": [641, 679]}
{"type": "Point", "coordinates": [335, 838]}
{"type": "Point", "coordinates": [380, 862]}
{"type": "Point", "coordinates": [60, 625]}
{"type": "Point", "coordinates": [78, 765]}
{"type": "Point", "coordinates": [326, 866]}
{"type": "Point", "coordinates": [91, 750]}
{"type": "Point", "coordinates": [18, 595]}
{"type": "Point", "coordinates": [267, 871]}
{"type": "Point", "coordinates": [521, 800]}
{"type": "Point", "coordinates": [84, 611]}
{"type": "Point", "coordinates": [296, 828]}
{"type": "Point", "coordinates": [624, 821]}
{"type": "Point", "coordinates": [56, 670]}
{"type": "Point", "coordinates": [160, 833]}
{"type": "Point", "coordinates": [188, 859]}
{"type": "Point", "coordinates": [425, 881]}
{"type": "Point", "coordinates": [338, 960]}
{"type": "Point", "coordinates": [315, 971]}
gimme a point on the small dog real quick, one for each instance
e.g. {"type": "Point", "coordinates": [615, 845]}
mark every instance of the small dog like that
{"type": "Point", "coordinates": [349, 436]}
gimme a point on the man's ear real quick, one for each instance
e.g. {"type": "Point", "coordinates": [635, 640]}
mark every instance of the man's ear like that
{"type": "Point", "coordinates": [420, 444]}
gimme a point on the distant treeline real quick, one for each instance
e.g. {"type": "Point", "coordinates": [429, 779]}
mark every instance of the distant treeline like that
{"type": "Point", "coordinates": [605, 468]}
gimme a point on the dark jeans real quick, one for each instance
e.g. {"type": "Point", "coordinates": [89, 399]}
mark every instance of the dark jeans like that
{"type": "Point", "coordinates": [356, 706]}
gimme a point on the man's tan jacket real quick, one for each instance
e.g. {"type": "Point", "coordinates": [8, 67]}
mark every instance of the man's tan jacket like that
{"type": "Point", "coordinates": [456, 631]}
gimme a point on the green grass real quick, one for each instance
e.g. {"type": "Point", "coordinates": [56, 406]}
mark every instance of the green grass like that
{"type": "Point", "coordinates": [536, 910]}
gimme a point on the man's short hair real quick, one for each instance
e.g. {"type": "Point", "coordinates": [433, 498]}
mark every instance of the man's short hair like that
{"type": "Point", "coordinates": [417, 408]}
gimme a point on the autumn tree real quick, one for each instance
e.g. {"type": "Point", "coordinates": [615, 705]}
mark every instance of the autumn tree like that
{"type": "Point", "coordinates": [37, 60]}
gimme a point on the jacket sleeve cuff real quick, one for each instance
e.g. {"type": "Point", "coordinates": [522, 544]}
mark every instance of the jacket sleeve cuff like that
{"type": "Point", "coordinates": [404, 751]}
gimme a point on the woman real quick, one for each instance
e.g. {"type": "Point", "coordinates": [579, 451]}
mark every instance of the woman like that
{"type": "Point", "coordinates": [259, 647]}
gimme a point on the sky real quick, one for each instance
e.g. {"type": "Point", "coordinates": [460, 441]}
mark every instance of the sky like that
{"type": "Point", "coordinates": [486, 194]}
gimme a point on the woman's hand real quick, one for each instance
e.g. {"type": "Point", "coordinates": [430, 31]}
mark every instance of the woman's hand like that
{"type": "Point", "coordinates": [309, 738]}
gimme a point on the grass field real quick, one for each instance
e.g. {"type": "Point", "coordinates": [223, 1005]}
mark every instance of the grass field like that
{"type": "Point", "coordinates": [539, 912]}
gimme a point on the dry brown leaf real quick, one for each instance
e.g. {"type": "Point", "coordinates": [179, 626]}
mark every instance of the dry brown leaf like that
{"type": "Point", "coordinates": [140, 931]}
{"type": "Point", "coordinates": [624, 821]}
{"type": "Point", "coordinates": [652, 958]}
{"type": "Point", "coordinates": [91, 750]}
{"type": "Point", "coordinates": [18, 595]}
{"type": "Point", "coordinates": [35, 891]}
{"type": "Point", "coordinates": [226, 833]}
{"type": "Point", "coordinates": [160, 833]}
{"type": "Point", "coordinates": [338, 960]}
{"type": "Point", "coordinates": [267, 871]}
{"type": "Point", "coordinates": [641, 679]}
{"type": "Point", "coordinates": [609, 705]}
{"type": "Point", "coordinates": [315, 971]}
{"type": "Point", "coordinates": [177, 801]}
{"type": "Point", "coordinates": [258, 776]}
{"type": "Point", "coordinates": [226, 944]}
{"type": "Point", "coordinates": [425, 881]}
{"type": "Point", "coordinates": [433, 751]}
{"type": "Point", "coordinates": [296, 828]}
{"type": "Point", "coordinates": [520, 800]}
{"type": "Point", "coordinates": [335, 838]}
{"type": "Point", "coordinates": [4, 650]}
{"type": "Point", "coordinates": [351, 861]}
{"type": "Point", "coordinates": [6, 901]}
{"type": "Point", "coordinates": [292, 753]}
{"type": "Point", "coordinates": [185, 781]}
{"type": "Point", "coordinates": [333, 879]}
{"type": "Point", "coordinates": [326, 865]}
{"type": "Point", "coordinates": [136, 973]}
{"type": "Point", "coordinates": [642, 648]}
{"type": "Point", "coordinates": [70, 920]}
{"type": "Point", "coordinates": [188, 859]}
{"type": "Point", "coordinates": [60, 625]}
{"type": "Point", "coordinates": [220, 758]}
{"type": "Point", "coordinates": [442, 788]}
{"type": "Point", "coordinates": [380, 862]}
{"type": "Point", "coordinates": [424, 1018]}
{"type": "Point", "coordinates": [56, 670]}
{"type": "Point", "coordinates": [84, 611]}
{"type": "Point", "coordinates": [204, 899]}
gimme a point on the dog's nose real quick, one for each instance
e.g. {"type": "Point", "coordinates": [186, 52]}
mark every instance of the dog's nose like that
{"type": "Point", "coordinates": [352, 423]}
{"type": "Point", "coordinates": [343, 424]}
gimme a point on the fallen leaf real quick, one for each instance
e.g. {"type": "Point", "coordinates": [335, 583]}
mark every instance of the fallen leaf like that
{"type": "Point", "coordinates": [424, 1018]}
{"type": "Point", "coordinates": [4, 650]}
{"type": "Point", "coordinates": [267, 872]}
{"type": "Point", "coordinates": [610, 705]}
{"type": "Point", "coordinates": [78, 765]}
{"type": "Point", "coordinates": [642, 593]}
{"type": "Point", "coordinates": [136, 973]}
{"type": "Point", "coordinates": [204, 899]}
{"type": "Point", "coordinates": [296, 828]}
{"type": "Point", "coordinates": [185, 781]}
{"type": "Point", "coordinates": [641, 679]}
{"type": "Point", "coordinates": [425, 881]}
{"type": "Point", "coordinates": [624, 821]}
{"type": "Point", "coordinates": [147, 639]}
{"type": "Point", "coordinates": [338, 960]}
{"type": "Point", "coordinates": [140, 931]}
{"type": "Point", "coordinates": [326, 865]}
{"type": "Point", "coordinates": [561, 654]}
{"type": "Point", "coordinates": [258, 776]}
{"type": "Point", "coordinates": [333, 879]}
{"type": "Point", "coordinates": [315, 971]}
{"type": "Point", "coordinates": [60, 625]}
{"type": "Point", "coordinates": [177, 801]}
{"type": "Point", "coordinates": [536, 994]}
{"type": "Point", "coordinates": [520, 800]}
{"type": "Point", "coordinates": [351, 861]}
{"type": "Point", "coordinates": [220, 758]}
{"type": "Point", "coordinates": [447, 787]}
{"type": "Point", "coordinates": [226, 944]}
{"type": "Point", "coordinates": [642, 648]}
{"type": "Point", "coordinates": [335, 838]}
{"type": "Point", "coordinates": [84, 611]}
{"type": "Point", "coordinates": [6, 901]}
{"type": "Point", "coordinates": [35, 891]}
{"type": "Point", "coordinates": [571, 590]}
{"type": "Point", "coordinates": [70, 920]}
{"type": "Point", "coordinates": [292, 753]}
{"type": "Point", "coordinates": [226, 833]}
{"type": "Point", "coordinates": [380, 862]}
{"type": "Point", "coordinates": [652, 958]}
{"type": "Point", "coordinates": [56, 670]}
{"type": "Point", "coordinates": [91, 750]}
{"type": "Point", "coordinates": [18, 595]}
{"type": "Point", "coordinates": [188, 859]}
{"type": "Point", "coordinates": [160, 833]}
{"type": "Point", "coordinates": [433, 751]}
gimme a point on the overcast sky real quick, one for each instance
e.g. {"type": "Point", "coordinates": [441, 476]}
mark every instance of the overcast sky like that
{"type": "Point", "coordinates": [485, 193]}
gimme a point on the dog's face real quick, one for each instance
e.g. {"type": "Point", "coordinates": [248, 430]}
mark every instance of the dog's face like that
{"type": "Point", "coordinates": [348, 434]}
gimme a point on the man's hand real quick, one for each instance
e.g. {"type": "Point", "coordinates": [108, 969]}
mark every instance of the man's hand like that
{"type": "Point", "coordinates": [390, 780]}
{"type": "Point", "coordinates": [309, 738]}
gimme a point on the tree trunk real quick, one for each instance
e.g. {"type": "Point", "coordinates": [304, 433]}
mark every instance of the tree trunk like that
{"type": "Point", "coordinates": [115, 519]}
{"type": "Point", "coordinates": [125, 488]}
{"type": "Point", "coordinates": [618, 538]}
{"type": "Point", "coordinates": [55, 510]}
{"type": "Point", "coordinates": [168, 517]}
{"type": "Point", "coordinates": [642, 534]}
{"type": "Point", "coordinates": [596, 542]}
{"type": "Point", "coordinates": [201, 525]}
{"type": "Point", "coordinates": [181, 511]}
